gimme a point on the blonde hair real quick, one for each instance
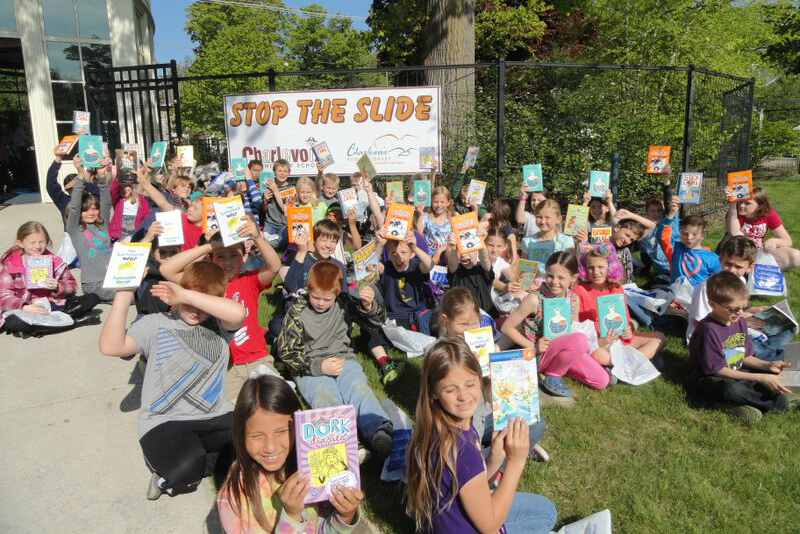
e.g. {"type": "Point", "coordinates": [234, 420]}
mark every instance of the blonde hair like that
{"type": "Point", "coordinates": [442, 190]}
{"type": "Point", "coordinates": [305, 180]}
{"type": "Point", "coordinates": [26, 229]}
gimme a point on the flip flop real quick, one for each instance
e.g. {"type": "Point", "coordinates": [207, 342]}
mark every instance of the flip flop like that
{"type": "Point", "coordinates": [554, 385]}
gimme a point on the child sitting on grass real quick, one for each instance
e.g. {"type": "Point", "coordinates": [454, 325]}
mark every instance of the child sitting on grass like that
{"type": "Point", "coordinates": [720, 347]}
{"type": "Point", "coordinates": [683, 246]}
{"type": "Point", "coordinates": [191, 220]}
{"type": "Point", "coordinates": [434, 224]}
{"type": "Point", "coordinates": [274, 208]}
{"type": "Point", "coordinates": [314, 343]}
{"type": "Point", "coordinates": [307, 196]}
{"type": "Point", "coordinates": [326, 238]}
{"type": "Point", "coordinates": [548, 219]}
{"type": "Point", "coordinates": [472, 270]}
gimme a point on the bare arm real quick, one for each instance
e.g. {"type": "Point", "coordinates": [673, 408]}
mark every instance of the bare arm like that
{"type": "Point", "coordinates": [452, 254]}
{"type": "Point", "coordinates": [425, 261]}
{"type": "Point", "coordinates": [230, 314]}
{"type": "Point", "coordinates": [272, 262]}
{"type": "Point", "coordinates": [114, 341]}
{"type": "Point", "coordinates": [173, 268]}
{"type": "Point", "coordinates": [355, 237]}
{"type": "Point", "coordinates": [644, 221]}
{"type": "Point", "coordinates": [510, 327]}
{"type": "Point", "coordinates": [150, 190]}
{"type": "Point", "coordinates": [519, 214]}
{"type": "Point", "coordinates": [780, 237]}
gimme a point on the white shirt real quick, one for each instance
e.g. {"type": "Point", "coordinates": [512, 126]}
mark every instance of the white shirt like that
{"type": "Point", "coordinates": [530, 227]}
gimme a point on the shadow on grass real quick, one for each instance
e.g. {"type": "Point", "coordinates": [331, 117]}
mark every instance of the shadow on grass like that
{"type": "Point", "coordinates": [386, 500]}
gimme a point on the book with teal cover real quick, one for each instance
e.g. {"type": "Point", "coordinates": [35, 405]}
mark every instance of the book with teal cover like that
{"type": "Point", "coordinates": [422, 193]}
{"type": "Point", "coordinates": [239, 165]}
{"type": "Point", "coordinates": [611, 314]}
{"type": "Point", "coordinates": [598, 183]}
{"type": "Point", "coordinates": [515, 387]}
{"type": "Point", "coordinates": [157, 154]}
{"type": "Point", "coordinates": [556, 317]}
{"type": "Point", "coordinates": [532, 176]}
{"type": "Point", "coordinates": [263, 178]}
{"type": "Point", "coordinates": [539, 250]}
{"type": "Point", "coordinates": [90, 149]}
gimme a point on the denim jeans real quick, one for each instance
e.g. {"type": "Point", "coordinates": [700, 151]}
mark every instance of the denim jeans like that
{"type": "Point", "coordinates": [772, 349]}
{"type": "Point", "coordinates": [281, 232]}
{"type": "Point", "coordinates": [350, 387]}
{"type": "Point", "coordinates": [530, 514]}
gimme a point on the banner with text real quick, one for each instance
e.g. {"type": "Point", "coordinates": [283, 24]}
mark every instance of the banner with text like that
{"type": "Point", "coordinates": [390, 124]}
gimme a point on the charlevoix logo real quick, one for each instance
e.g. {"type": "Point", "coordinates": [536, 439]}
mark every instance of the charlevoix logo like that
{"type": "Point", "coordinates": [384, 148]}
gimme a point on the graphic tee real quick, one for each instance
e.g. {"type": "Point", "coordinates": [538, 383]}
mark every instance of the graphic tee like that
{"type": "Point", "coordinates": [714, 346]}
{"type": "Point", "coordinates": [248, 342]}
{"type": "Point", "coordinates": [756, 230]}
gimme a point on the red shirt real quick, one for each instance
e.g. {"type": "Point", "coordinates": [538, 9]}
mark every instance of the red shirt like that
{"type": "Point", "coordinates": [756, 229]}
{"type": "Point", "coordinates": [248, 342]}
{"type": "Point", "coordinates": [191, 233]}
{"type": "Point", "coordinates": [588, 299]}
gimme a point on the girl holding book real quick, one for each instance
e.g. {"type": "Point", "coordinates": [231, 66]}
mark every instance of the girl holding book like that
{"type": "Point", "coordinates": [538, 246]}
{"type": "Point", "coordinates": [130, 210]}
{"type": "Point", "coordinates": [567, 354]}
{"type": "Point", "coordinates": [264, 491]}
{"type": "Point", "coordinates": [307, 196]}
{"type": "Point", "coordinates": [504, 287]}
{"type": "Point", "coordinates": [527, 218]}
{"type": "Point", "coordinates": [448, 478]}
{"type": "Point", "coordinates": [434, 225]}
{"type": "Point", "coordinates": [601, 210]}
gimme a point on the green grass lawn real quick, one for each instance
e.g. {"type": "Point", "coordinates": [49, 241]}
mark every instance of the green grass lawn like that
{"type": "Point", "coordinates": [661, 462]}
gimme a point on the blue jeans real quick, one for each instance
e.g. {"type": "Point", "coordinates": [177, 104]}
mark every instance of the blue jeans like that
{"type": "Point", "coordinates": [530, 514]}
{"type": "Point", "coordinates": [350, 387]}
{"type": "Point", "coordinates": [281, 232]}
{"type": "Point", "coordinates": [772, 349]}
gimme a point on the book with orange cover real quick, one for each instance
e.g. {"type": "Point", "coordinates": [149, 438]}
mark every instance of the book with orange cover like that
{"type": "Point", "coordinates": [289, 196]}
{"type": "Point", "coordinates": [657, 159]}
{"type": "Point", "coordinates": [209, 215]}
{"type": "Point", "coordinates": [66, 145]}
{"type": "Point", "coordinates": [298, 219]}
{"type": "Point", "coordinates": [741, 185]}
{"type": "Point", "coordinates": [465, 227]}
{"type": "Point", "coordinates": [398, 221]}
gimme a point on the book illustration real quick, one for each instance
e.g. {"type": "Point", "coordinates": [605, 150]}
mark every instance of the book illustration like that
{"type": "Point", "coordinates": [126, 266]}
{"type": "Point", "coordinates": [209, 217]}
{"type": "Point", "coordinates": [158, 153]}
{"type": "Point", "coordinates": [90, 150]}
{"type": "Point", "coordinates": [263, 178]}
{"type": "Point", "coordinates": [470, 158]}
{"type": "Point", "coordinates": [289, 195]}
{"type": "Point", "coordinates": [80, 122]}
{"type": "Point", "coordinates": [298, 219]}
{"type": "Point", "coordinates": [323, 154]}
{"type": "Point", "coordinates": [532, 177]}
{"type": "Point", "coordinates": [481, 341]}
{"type": "Point", "coordinates": [657, 159]}
{"type": "Point", "coordinates": [577, 219]}
{"type": "Point", "coordinates": [528, 274]}
{"type": "Point", "coordinates": [185, 156]}
{"type": "Point", "coordinates": [365, 262]}
{"type": "Point", "coordinates": [777, 318]}
{"type": "Point", "coordinates": [689, 187]}
{"type": "Point", "coordinates": [768, 278]}
{"type": "Point", "coordinates": [741, 185]}
{"type": "Point", "coordinates": [348, 200]}
{"type": "Point", "coordinates": [398, 221]}
{"type": "Point", "coordinates": [556, 317]}
{"type": "Point", "coordinates": [230, 216]}
{"type": "Point", "coordinates": [327, 450]}
{"type": "Point", "coordinates": [600, 234]}
{"type": "Point", "coordinates": [239, 165]}
{"type": "Point", "coordinates": [427, 157]}
{"type": "Point", "coordinates": [539, 251]}
{"type": "Point", "coordinates": [394, 192]}
{"type": "Point", "coordinates": [611, 314]}
{"type": "Point", "coordinates": [366, 167]}
{"type": "Point", "coordinates": [172, 228]}
{"type": "Point", "coordinates": [598, 523]}
{"type": "Point", "coordinates": [66, 145]}
{"type": "Point", "coordinates": [475, 192]}
{"type": "Point", "coordinates": [515, 386]}
{"type": "Point", "coordinates": [127, 163]}
{"type": "Point", "coordinates": [598, 183]}
{"type": "Point", "coordinates": [422, 193]}
{"type": "Point", "coordinates": [465, 227]}
{"type": "Point", "coordinates": [37, 270]}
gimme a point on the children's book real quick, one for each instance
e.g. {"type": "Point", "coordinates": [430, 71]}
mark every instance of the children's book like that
{"type": "Point", "coordinates": [299, 219]}
{"type": "Point", "coordinates": [239, 165]}
{"type": "Point", "coordinates": [394, 191]}
{"type": "Point", "coordinates": [600, 234]}
{"type": "Point", "coordinates": [427, 157]}
{"type": "Point", "coordinates": [527, 273]}
{"type": "Point", "coordinates": [126, 167]}
{"type": "Point", "coordinates": [540, 251]}
{"type": "Point", "coordinates": [790, 376]}
{"type": "Point", "coordinates": [172, 228]}
{"type": "Point", "coordinates": [741, 185]}
{"type": "Point", "coordinates": [366, 167]}
{"type": "Point", "coordinates": [66, 145]}
{"type": "Point", "coordinates": [476, 191]}
{"type": "Point", "coordinates": [323, 153]}
{"type": "Point", "coordinates": [158, 153]}
{"type": "Point", "coordinates": [515, 386]}
{"type": "Point", "coordinates": [657, 159]}
{"type": "Point", "coordinates": [348, 200]}
{"type": "Point", "coordinates": [90, 149]}
{"type": "Point", "coordinates": [326, 440]}
{"type": "Point", "coordinates": [577, 219]}
{"type": "Point", "coordinates": [481, 341]}
{"type": "Point", "coordinates": [598, 183]}
{"type": "Point", "coordinates": [263, 178]}
{"type": "Point", "coordinates": [777, 318]}
{"type": "Point", "coordinates": [689, 187]}
{"type": "Point", "coordinates": [556, 317]}
{"type": "Point", "coordinates": [185, 156]}
{"type": "Point", "coordinates": [37, 270]}
{"type": "Point", "coordinates": [289, 196]}
{"type": "Point", "coordinates": [230, 216]}
{"type": "Point", "coordinates": [422, 193]}
{"type": "Point", "coordinates": [465, 227]}
{"type": "Point", "coordinates": [470, 158]}
{"type": "Point", "coordinates": [365, 261]}
{"type": "Point", "coordinates": [398, 221]}
{"type": "Point", "coordinates": [80, 122]}
{"type": "Point", "coordinates": [209, 215]}
{"type": "Point", "coordinates": [532, 176]}
{"type": "Point", "coordinates": [126, 266]}
{"type": "Point", "coordinates": [611, 314]}
{"type": "Point", "coordinates": [598, 523]}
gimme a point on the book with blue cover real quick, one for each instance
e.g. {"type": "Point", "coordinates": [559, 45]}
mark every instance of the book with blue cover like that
{"type": "Point", "coordinates": [598, 183]}
{"type": "Point", "coordinates": [689, 188]}
{"type": "Point", "coordinates": [239, 165]}
{"type": "Point", "coordinates": [556, 317]}
{"type": "Point", "coordinates": [422, 193]}
{"type": "Point", "coordinates": [90, 150]}
{"type": "Point", "coordinates": [532, 176]}
{"type": "Point", "coordinates": [515, 387]}
{"type": "Point", "coordinates": [263, 178]}
{"type": "Point", "coordinates": [611, 314]}
{"type": "Point", "coordinates": [157, 154]}
{"type": "Point", "coordinates": [470, 158]}
{"type": "Point", "coordinates": [539, 250]}
{"type": "Point", "coordinates": [323, 154]}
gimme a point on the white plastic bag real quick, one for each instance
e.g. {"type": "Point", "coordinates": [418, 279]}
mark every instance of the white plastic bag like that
{"type": "Point", "coordinates": [53, 319]}
{"type": "Point", "coordinates": [587, 329]}
{"type": "Point", "coordinates": [599, 523]}
{"type": "Point", "coordinates": [412, 343]}
{"type": "Point", "coordinates": [766, 278]}
{"type": "Point", "coordinates": [401, 436]}
{"type": "Point", "coordinates": [655, 300]}
{"type": "Point", "coordinates": [630, 365]}
{"type": "Point", "coordinates": [67, 251]}
{"type": "Point", "coordinates": [682, 292]}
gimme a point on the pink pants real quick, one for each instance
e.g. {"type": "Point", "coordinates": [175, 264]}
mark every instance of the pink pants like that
{"type": "Point", "coordinates": [569, 355]}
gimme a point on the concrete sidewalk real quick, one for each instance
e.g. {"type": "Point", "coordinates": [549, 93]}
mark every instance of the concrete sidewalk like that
{"type": "Point", "coordinates": [72, 461]}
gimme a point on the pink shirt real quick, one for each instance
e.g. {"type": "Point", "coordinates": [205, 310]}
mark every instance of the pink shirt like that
{"type": "Point", "coordinates": [756, 229]}
{"type": "Point", "coordinates": [588, 299]}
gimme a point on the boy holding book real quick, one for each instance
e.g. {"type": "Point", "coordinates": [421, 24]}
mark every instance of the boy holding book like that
{"type": "Point", "coordinates": [473, 271]}
{"type": "Point", "coordinates": [274, 208]}
{"type": "Point", "coordinates": [191, 219]}
{"type": "Point", "coordinates": [329, 186]}
{"type": "Point", "coordinates": [720, 347]}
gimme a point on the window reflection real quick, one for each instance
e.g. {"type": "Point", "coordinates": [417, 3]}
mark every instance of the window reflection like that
{"type": "Point", "coordinates": [92, 19]}
{"type": "Point", "coordinates": [67, 97]}
{"type": "Point", "coordinates": [7, 20]}
{"type": "Point", "coordinates": [96, 56]}
{"type": "Point", "coordinates": [59, 18]}
{"type": "Point", "coordinates": [64, 61]}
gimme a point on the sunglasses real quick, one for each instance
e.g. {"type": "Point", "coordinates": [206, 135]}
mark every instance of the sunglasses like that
{"type": "Point", "coordinates": [736, 310]}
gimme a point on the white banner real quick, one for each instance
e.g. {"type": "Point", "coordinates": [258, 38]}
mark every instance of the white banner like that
{"type": "Point", "coordinates": [390, 124]}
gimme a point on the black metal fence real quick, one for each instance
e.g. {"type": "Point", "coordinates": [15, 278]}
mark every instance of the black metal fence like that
{"type": "Point", "coordinates": [570, 117]}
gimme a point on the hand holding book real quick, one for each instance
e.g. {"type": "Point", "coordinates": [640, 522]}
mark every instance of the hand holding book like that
{"type": "Point", "coordinates": [292, 494]}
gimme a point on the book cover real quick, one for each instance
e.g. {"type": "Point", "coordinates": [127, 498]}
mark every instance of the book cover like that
{"type": "Point", "coordinates": [172, 226]}
{"type": "Point", "coordinates": [611, 314]}
{"type": "Point", "coordinates": [126, 168]}
{"type": "Point", "coordinates": [209, 216]}
{"type": "Point", "coordinates": [185, 156]}
{"type": "Point", "coordinates": [768, 278]}
{"type": "Point", "coordinates": [741, 185]}
{"type": "Point", "coordinates": [66, 145]}
{"type": "Point", "coordinates": [126, 266]}
{"type": "Point", "coordinates": [90, 149]}
{"type": "Point", "coordinates": [398, 221]}
{"type": "Point", "coordinates": [540, 250]}
{"type": "Point", "coordinates": [366, 167]}
{"type": "Point", "coordinates": [481, 341]}
{"type": "Point", "coordinates": [527, 273]}
{"type": "Point", "coordinates": [657, 159]}
{"type": "Point", "coordinates": [326, 440]}
{"type": "Point", "coordinates": [689, 187]}
{"type": "Point", "coordinates": [577, 219]}
{"type": "Point", "coordinates": [465, 227]}
{"type": "Point", "coordinates": [263, 178]}
{"type": "Point", "coordinates": [556, 317]}
{"type": "Point", "coordinates": [427, 157]}
{"type": "Point", "coordinates": [777, 318]}
{"type": "Point", "coordinates": [230, 216]}
{"type": "Point", "coordinates": [598, 183]}
{"type": "Point", "coordinates": [239, 165]}
{"type": "Point", "coordinates": [288, 195]}
{"type": "Point", "coordinates": [348, 200]}
{"type": "Point", "coordinates": [532, 177]}
{"type": "Point", "coordinates": [394, 192]}
{"type": "Point", "coordinates": [470, 158]}
{"type": "Point", "coordinates": [365, 262]}
{"type": "Point", "coordinates": [157, 154]}
{"type": "Point", "coordinates": [323, 153]}
{"type": "Point", "coordinates": [515, 386]}
{"type": "Point", "coordinates": [37, 270]}
{"type": "Point", "coordinates": [422, 193]}
{"type": "Point", "coordinates": [600, 234]}
{"type": "Point", "coordinates": [790, 376]}
{"type": "Point", "coordinates": [476, 191]}
{"type": "Point", "coordinates": [80, 122]}
{"type": "Point", "coordinates": [299, 219]}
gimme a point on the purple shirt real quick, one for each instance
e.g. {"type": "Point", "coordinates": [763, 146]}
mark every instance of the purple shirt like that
{"type": "Point", "coordinates": [714, 346]}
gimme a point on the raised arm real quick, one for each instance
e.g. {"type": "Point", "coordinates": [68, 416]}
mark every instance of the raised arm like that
{"type": "Point", "coordinates": [231, 314]}
{"type": "Point", "coordinates": [425, 261]}
{"type": "Point", "coordinates": [612, 209]}
{"type": "Point", "coordinates": [373, 203]}
{"type": "Point", "coordinates": [272, 262]}
{"type": "Point", "coordinates": [172, 269]}
{"type": "Point", "coordinates": [114, 341]}
{"type": "Point", "coordinates": [452, 254]}
{"type": "Point", "coordinates": [142, 176]}
{"type": "Point", "coordinates": [105, 193]}
{"type": "Point", "coordinates": [519, 214]}
{"type": "Point", "coordinates": [623, 214]}
{"type": "Point", "coordinates": [75, 201]}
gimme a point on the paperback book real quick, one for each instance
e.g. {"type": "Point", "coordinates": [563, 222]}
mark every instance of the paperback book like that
{"type": "Point", "coordinates": [90, 149]}
{"type": "Point", "coordinates": [263, 178]}
{"type": "Point", "coordinates": [185, 156]}
{"type": "Point", "coordinates": [80, 122]}
{"type": "Point", "coordinates": [158, 153]}
{"type": "Point", "coordinates": [790, 376]}
{"type": "Point", "coordinates": [209, 215]}
{"type": "Point", "coordinates": [66, 145]}
{"type": "Point", "coordinates": [394, 192]}
{"type": "Point", "coordinates": [689, 187]}
{"type": "Point", "coordinates": [481, 341]}
{"type": "Point", "coordinates": [288, 195]}
{"type": "Point", "coordinates": [540, 251]}
{"type": "Point", "coordinates": [777, 318]}
{"type": "Point", "coordinates": [323, 154]}
{"type": "Point", "coordinates": [475, 192]}
{"type": "Point", "coordinates": [611, 314]}
{"type": "Point", "coordinates": [741, 185]}
{"type": "Point", "coordinates": [172, 228]}
{"type": "Point", "coordinates": [126, 266]}
{"type": "Point", "coordinates": [600, 234]}
{"type": "Point", "coordinates": [465, 227]}
{"type": "Point", "coordinates": [37, 270]}
{"type": "Point", "coordinates": [470, 158]}
{"type": "Point", "coordinates": [422, 193]}
{"type": "Point", "coordinates": [532, 177]}
{"type": "Point", "coordinates": [365, 261]}
{"type": "Point", "coordinates": [299, 219]}
{"type": "Point", "coordinates": [238, 165]}
{"type": "Point", "coordinates": [427, 157]}
{"type": "Point", "coordinates": [556, 317]}
{"type": "Point", "coordinates": [515, 387]}
{"type": "Point", "coordinates": [326, 440]}
{"type": "Point", "coordinates": [657, 159]}
{"type": "Point", "coordinates": [577, 219]}
{"type": "Point", "coordinates": [127, 163]}
{"type": "Point", "coordinates": [398, 221]}
{"type": "Point", "coordinates": [598, 183]}
{"type": "Point", "coordinates": [348, 200]}
{"type": "Point", "coordinates": [230, 216]}
{"type": "Point", "coordinates": [528, 272]}
{"type": "Point", "coordinates": [366, 167]}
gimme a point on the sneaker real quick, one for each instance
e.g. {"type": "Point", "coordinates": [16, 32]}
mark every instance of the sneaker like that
{"type": "Point", "coordinates": [538, 454]}
{"type": "Point", "coordinates": [549, 400]}
{"type": "Point", "coordinates": [612, 380]}
{"type": "Point", "coordinates": [391, 371]}
{"type": "Point", "coordinates": [154, 491]}
{"type": "Point", "coordinates": [381, 442]}
{"type": "Point", "coordinates": [748, 414]}
{"type": "Point", "coordinates": [554, 385]}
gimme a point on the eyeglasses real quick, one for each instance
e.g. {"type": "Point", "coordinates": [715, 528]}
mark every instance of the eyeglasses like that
{"type": "Point", "coordinates": [738, 310]}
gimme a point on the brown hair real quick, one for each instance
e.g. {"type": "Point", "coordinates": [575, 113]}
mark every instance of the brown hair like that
{"type": "Point", "coordinates": [175, 180]}
{"type": "Point", "coordinates": [740, 247]}
{"type": "Point", "coordinates": [760, 196]}
{"type": "Point", "coordinates": [657, 201]}
{"type": "Point", "coordinates": [87, 202]}
{"type": "Point", "coordinates": [694, 220]}
{"type": "Point", "coordinates": [456, 301]}
{"type": "Point", "coordinates": [330, 179]}
{"type": "Point", "coordinates": [326, 228]}
{"type": "Point", "coordinates": [281, 162]}
{"type": "Point", "coordinates": [324, 276]}
{"type": "Point", "coordinates": [636, 227]}
{"type": "Point", "coordinates": [725, 286]}
{"type": "Point", "coordinates": [204, 277]}
{"type": "Point", "coordinates": [502, 214]}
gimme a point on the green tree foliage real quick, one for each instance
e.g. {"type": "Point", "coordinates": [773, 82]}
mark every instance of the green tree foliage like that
{"type": "Point", "coordinates": [785, 51]}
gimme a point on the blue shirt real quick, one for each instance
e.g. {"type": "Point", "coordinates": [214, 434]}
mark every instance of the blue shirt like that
{"type": "Point", "coordinates": [651, 246]}
{"type": "Point", "coordinates": [696, 264]}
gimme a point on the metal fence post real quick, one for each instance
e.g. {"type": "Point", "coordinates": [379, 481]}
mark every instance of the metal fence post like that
{"type": "Point", "coordinates": [748, 128]}
{"type": "Point", "coordinates": [614, 178]}
{"type": "Point", "coordinates": [501, 134]}
{"type": "Point", "coordinates": [687, 119]}
{"type": "Point", "coordinates": [271, 80]}
{"type": "Point", "coordinates": [176, 99]}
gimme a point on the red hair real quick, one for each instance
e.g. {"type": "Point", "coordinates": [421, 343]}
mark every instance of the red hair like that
{"type": "Point", "coordinates": [324, 276]}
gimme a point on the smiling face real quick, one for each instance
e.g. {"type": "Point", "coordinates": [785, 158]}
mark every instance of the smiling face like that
{"type": "Point", "coordinates": [559, 279]}
{"type": "Point", "coordinates": [320, 300]}
{"type": "Point", "coordinates": [468, 260]}
{"type": "Point", "coordinates": [269, 439]}
{"type": "Point", "coordinates": [747, 208]}
{"type": "Point", "coordinates": [325, 246]}
{"type": "Point", "coordinates": [182, 188]}
{"type": "Point", "coordinates": [90, 214]}
{"type": "Point", "coordinates": [597, 209]}
{"type": "Point", "coordinates": [281, 174]}
{"type": "Point", "coordinates": [462, 321]}
{"type": "Point", "coordinates": [399, 254]}
{"type": "Point", "coordinates": [33, 244]}
{"type": "Point", "coordinates": [547, 219]}
{"type": "Point", "coordinates": [622, 237]}
{"type": "Point", "coordinates": [304, 193]}
{"type": "Point", "coordinates": [597, 270]}
{"type": "Point", "coordinates": [459, 394]}
{"type": "Point", "coordinates": [691, 235]}
{"type": "Point", "coordinates": [495, 246]}
{"type": "Point", "coordinates": [229, 259]}
{"type": "Point", "coordinates": [439, 204]}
